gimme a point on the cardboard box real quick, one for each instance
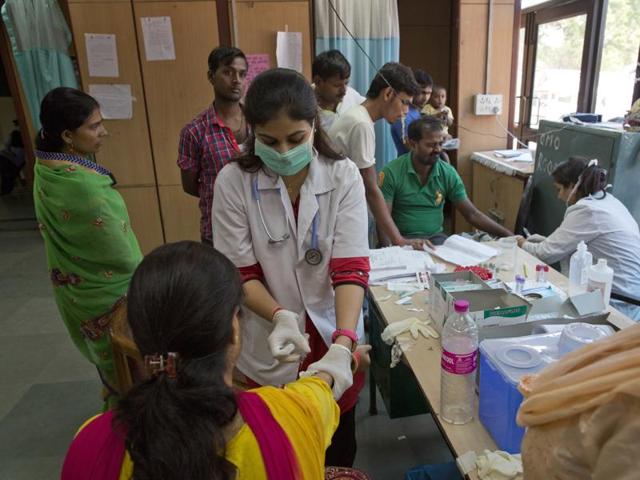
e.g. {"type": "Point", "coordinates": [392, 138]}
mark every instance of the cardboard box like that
{"type": "Point", "coordinates": [494, 308]}
{"type": "Point", "coordinates": [443, 285]}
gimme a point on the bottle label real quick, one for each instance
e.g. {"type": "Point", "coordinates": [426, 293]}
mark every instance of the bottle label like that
{"type": "Point", "coordinates": [459, 364]}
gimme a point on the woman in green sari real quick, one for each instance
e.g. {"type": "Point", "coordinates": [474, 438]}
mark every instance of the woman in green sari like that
{"type": "Point", "coordinates": [91, 250]}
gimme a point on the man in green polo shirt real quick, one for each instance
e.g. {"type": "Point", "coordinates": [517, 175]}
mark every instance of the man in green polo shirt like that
{"type": "Point", "coordinates": [416, 185]}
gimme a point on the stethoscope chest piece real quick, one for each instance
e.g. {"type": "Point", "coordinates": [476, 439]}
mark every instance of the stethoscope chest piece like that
{"type": "Point", "coordinates": [313, 256]}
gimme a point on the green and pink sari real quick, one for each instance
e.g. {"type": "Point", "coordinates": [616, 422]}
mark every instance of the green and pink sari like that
{"type": "Point", "coordinates": [91, 250]}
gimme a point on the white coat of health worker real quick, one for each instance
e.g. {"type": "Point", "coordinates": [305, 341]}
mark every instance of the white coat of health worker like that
{"type": "Point", "coordinates": [291, 214]}
{"type": "Point", "coordinates": [602, 222]}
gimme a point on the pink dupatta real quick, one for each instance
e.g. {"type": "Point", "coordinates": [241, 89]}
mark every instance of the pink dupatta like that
{"type": "Point", "coordinates": [279, 458]}
{"type": "Point", "coordinates": [97, 451]}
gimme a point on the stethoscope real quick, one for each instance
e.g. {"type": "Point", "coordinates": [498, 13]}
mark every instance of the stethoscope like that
{"type": "Point", "coordinates": [312, 256]}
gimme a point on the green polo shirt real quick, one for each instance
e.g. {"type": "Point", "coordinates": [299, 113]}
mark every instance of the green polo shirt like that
{"type": "Point", "coordinates": [418, 209]}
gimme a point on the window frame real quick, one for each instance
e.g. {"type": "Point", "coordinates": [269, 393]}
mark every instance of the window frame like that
{"type": "Point", "coordinates": [530, 19]}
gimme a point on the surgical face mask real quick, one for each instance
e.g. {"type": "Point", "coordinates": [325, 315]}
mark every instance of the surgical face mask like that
{"type": "Point", "coordinates": [288, 163]}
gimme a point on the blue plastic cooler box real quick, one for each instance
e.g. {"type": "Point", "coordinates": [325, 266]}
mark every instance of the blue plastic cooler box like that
{"type": "Point", "coordinates": [502, 362]}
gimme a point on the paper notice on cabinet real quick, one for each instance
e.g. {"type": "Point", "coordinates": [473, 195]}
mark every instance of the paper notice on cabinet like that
{"type": "Point", "coordinates": [116, 102]}
{"type": "Point", "coordinates": [102, 55]}
{"type": "Point", "coordinates": [158, 38]}
{"type": "Point", "coordinates": [258, 63]}
{"type": "Point", "coordinates": [289, 50]}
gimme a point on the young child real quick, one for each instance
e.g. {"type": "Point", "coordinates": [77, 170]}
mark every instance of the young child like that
{"type": "Point", "coordinates": [437, 107]}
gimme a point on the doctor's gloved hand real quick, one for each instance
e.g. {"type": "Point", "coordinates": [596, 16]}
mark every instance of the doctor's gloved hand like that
{"type": "Point", "coordinates": [337, 363]}
{"type": "Point", "coordinates": [286, 342]}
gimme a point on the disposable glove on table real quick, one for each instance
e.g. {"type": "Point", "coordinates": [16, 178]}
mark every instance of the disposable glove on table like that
{"type": "Point", "coordinates": [413, 325]}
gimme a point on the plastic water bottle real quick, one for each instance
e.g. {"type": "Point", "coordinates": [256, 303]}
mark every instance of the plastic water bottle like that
{"type": "Point", "coordinates": [601, 278]}
{"type": "Point", "coordinates": [459, 365]}
{"type": "Point", "coordinates": [579, 266]}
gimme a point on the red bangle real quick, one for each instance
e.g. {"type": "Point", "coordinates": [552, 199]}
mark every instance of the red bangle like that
{"type": "Point", "coordinates": [350, 334]}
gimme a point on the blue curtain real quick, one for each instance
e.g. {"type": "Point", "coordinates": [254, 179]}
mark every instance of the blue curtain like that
{"type": "Point", "coordinates": [375, 25]}
{"type": "Point", "coordinates": [40, 40]}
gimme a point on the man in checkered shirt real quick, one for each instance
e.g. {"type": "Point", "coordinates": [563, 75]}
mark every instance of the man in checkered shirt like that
{"type": "Point", "coordinates": [215, 136]}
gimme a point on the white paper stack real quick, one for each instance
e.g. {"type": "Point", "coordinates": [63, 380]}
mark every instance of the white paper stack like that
{"type": "Point", "coordinates": [463, 251]}
{"type": "Point", "coordinates": [398, 263]}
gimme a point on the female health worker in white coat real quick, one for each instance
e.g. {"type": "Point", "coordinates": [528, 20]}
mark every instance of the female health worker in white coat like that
{"type": "Point", "coordinates": [291, 215]}
{"type": "Point", "coordinates": [601, 221]}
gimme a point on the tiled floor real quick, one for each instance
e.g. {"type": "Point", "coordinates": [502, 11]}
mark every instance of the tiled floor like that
{"type": "Point", "coordinates": [47, 389]}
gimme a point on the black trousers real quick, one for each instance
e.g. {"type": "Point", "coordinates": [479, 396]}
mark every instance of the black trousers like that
{"type": "Point", "coordinates": [342, 451]}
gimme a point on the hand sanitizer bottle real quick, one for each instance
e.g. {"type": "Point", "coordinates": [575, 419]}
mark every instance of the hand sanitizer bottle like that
{"type": "Point", "coordinates": [579, 265]}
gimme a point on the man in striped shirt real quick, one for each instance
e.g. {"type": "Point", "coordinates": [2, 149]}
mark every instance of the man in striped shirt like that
{"type": "Point", "coordinates": [215, 136]}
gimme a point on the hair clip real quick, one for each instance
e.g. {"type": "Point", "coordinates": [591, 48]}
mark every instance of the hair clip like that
{"type": "Point", "coordinates": [157, 363]}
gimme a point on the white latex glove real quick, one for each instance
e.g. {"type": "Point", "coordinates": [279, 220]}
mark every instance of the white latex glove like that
{"type": "Point", "coordinates": [286, 342]}
{"type": "Point", "coordinates": [337, 363]}
{"type": "Point", "coordinates": [499, 465]}
{"type": "Point", "coordinates": [413, 325]}
{"type": "Point", "coordinates": [535, 238]}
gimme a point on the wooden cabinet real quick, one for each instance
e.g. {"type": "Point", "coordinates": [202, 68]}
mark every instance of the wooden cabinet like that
{"type": "Point", "coordinates": [183, 223]}
{"type": "Point", "coordinates": [142, 151]}
{"type": "Point", "coordinates": [258, 23]}
{"type": "Point", "coordinates": [498, 185]}
{"type": "Point", "coordinates": [127, 151]}
{"type": "Point", "coordinates": [177, 90]}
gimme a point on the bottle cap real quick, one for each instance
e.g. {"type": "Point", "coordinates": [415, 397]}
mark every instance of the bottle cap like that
{"type": "Point", "coordinates": [546, 268]}
{"type": "Point", "coordinates": [602, 264]}
{"type": "Point", "coordinates": [519, 279]}
{"type": "Point", "coordinates": [539, 267]}
{"type": "Point", "coordinates": [461, 306]}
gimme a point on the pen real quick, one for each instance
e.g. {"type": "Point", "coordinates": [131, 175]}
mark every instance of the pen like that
{"type": "Point", "coordinates": [527, 234]}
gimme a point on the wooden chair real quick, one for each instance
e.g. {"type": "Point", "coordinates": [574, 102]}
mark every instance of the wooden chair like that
{"type": "Point", "coordinates": [127, 358]}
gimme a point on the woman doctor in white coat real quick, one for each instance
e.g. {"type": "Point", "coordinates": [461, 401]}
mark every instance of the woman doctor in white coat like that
{"type": "Point", "coordinates": [291, 214]}
{"type": "Point", "coordinates": [601, 221]}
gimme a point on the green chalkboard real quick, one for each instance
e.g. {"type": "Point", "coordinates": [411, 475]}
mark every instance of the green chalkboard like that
{"type": "Point", "coordinates": [616, 151]}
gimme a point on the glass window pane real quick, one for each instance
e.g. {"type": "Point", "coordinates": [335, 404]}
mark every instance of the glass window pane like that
{"type": "Point", "coordinates": [557, 69]}
{"type": "Point", "coordinates": [531, 3]}
{"type": "Point", "coordinates": [619, 58]}
{"type": "Point", "coordinates": [520, 64]}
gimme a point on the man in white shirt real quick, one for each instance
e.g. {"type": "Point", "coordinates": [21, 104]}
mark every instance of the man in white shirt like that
{"type": "Point", "coordinates": [389, 97]}
{"type": "Point", "coordinates": [331, 72]}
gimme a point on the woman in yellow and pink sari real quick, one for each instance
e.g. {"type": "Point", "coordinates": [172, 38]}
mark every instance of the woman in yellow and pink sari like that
{"type": "Point", "coordinates": [185, 420]}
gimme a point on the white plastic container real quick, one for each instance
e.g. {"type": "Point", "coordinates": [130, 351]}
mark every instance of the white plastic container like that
{"type": "Point", "coordinates": [459, 365]}
{"type": "Point", "coordinates": [601, 278]}
{"type": "Point", "coordinates": [579, 266]}
{"type": "Point", "coordinates": [577, 335]}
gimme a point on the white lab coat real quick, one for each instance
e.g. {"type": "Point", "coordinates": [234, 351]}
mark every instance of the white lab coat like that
{"type": "Point", "coordinates": [332, 188]}
{"type": "Point", "coordinates": [610, 232]}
